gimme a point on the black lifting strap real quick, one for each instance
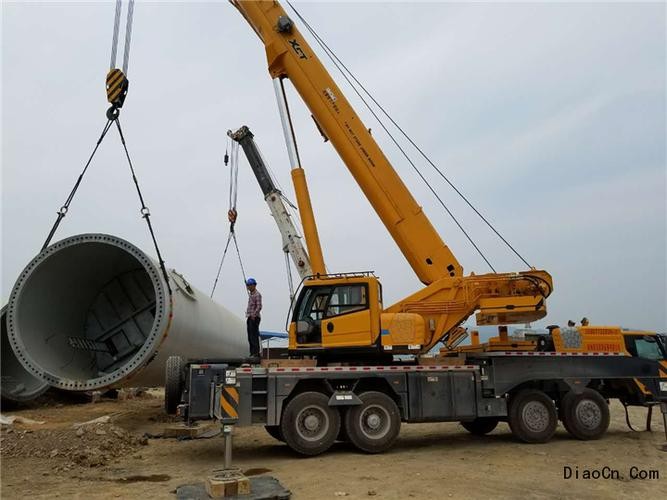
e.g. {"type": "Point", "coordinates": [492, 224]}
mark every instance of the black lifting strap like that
{"type": "Point", "coordinates": [145, 213]}
{"type": "Point", "coordinates": [63, 210]}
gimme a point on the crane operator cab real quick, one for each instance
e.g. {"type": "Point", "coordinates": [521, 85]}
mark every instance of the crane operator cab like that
{"type": "Point", "coordinates": [645, 345]}
{"type": "Point", "coordinates": [341, 310]}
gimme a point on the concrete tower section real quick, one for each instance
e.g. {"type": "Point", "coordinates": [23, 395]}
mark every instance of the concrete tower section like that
{"type": "Point", "coordinates": [93, 311]}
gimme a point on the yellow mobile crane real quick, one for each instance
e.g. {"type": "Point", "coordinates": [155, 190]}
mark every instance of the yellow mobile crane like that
{"type": "Point", "coordinates": [568, 375]}
{"type": "Point", "coordinates": [344, 313]}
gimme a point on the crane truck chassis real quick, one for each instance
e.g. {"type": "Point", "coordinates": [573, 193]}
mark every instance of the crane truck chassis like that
{"type": "Point", "coordinates": [310, 407]}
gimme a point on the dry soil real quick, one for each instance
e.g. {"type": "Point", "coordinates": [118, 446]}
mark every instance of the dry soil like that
{"type": "Point", "coordinates": [115, 460]}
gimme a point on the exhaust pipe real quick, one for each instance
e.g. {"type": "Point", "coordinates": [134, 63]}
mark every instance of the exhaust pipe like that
{"type": "Point", "coordinates": [17, 385]}
{"type": "Point", "coordinates": [93, 311]}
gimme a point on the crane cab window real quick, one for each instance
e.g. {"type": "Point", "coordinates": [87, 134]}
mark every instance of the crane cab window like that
{"type": "Point", "coordinates": [316, 303]}
{"type": "Point", "coordinates": [347, 299]}
{"type": "Point", "coordinates": [644, 347]}
{"type": "Point", "coordinates": [313, 303]}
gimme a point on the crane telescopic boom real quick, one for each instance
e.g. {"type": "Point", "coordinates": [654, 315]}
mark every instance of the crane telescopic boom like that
{"type": "Point", "coordinates": [291, 239]}
{"type": "Point", "coordinates": [345, 311]}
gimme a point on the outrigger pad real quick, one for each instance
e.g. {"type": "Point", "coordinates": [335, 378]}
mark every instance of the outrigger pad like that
{"type": "Point", "coordinates": [261, 488]}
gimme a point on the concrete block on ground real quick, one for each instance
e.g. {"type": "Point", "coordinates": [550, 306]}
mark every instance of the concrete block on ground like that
{"type": "Point", "coordinates": [227, 482]}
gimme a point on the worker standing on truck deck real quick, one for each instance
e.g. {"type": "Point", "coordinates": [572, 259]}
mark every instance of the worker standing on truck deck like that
{"type": "Point", "coordinates": [252, 316]}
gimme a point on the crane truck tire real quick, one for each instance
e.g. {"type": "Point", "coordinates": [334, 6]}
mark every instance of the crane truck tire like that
{"type": "Point", "coordinates": [173, 386]}
{"type": "Point", "coordinates": [373, 426]}
{"type": "Point", "coordinates": [275, 432]}
{"type": "Point", "coordinates": [532, 416]}
{"type": "Point", "coordinates": [586, 415]}
{"type": "Point", "coordinates": [480, 426]}
{"type": "Point", "coordinates": [309, 425]}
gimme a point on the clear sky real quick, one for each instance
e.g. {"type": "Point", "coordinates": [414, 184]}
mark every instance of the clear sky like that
{"type": "Point", "coordinates": [549, 116]}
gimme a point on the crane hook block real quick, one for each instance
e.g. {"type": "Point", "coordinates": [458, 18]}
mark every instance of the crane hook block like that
{"type": "Point", "coordinates": [117, 85]}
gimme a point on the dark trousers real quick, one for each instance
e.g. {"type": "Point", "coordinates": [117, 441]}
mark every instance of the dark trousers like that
{"type": "Point", "coordinates": [253, 335]}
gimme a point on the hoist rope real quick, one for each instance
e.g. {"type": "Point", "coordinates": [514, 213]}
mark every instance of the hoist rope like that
{"type": "Point", "coordinates": [233, 160]}
{"type": "Point", "coordinates": [128, 35]}
{"type": "Point", "coordinates": [114, 38]}
{"type": "Point", "coordinates": [233, 176]}
{"type": "Point", "coordinates": [344, 69]}
{"type": "Point", "coordinates": [113, 118]}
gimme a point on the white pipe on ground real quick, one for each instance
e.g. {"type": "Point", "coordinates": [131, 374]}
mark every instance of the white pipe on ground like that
{"type": "Point", "coordinates": [16, 383]}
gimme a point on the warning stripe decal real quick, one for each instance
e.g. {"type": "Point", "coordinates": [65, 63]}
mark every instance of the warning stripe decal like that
{"type": "Point", "coordinates": [233, 393]}
{"type": "Point", "coordinates": [114, 77]}
{"type": "Point", "coordinates": [228, 409]}
{"type": "Point", "coordinates": [229, 402]}
{"type": "Point", "coordinates": [116, 84]}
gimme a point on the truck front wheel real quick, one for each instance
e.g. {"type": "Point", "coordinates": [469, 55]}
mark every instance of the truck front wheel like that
{"type": "Point", "coordinates": [532, 416]}
{"type": "Point", "coordinates": [308, 424]}
{"type": "Point", "coordinates": [585, 415]}
{"type": "Point", "coordinates": [480, 426]}
{"type": "Point", "coordinates": [373, 426]}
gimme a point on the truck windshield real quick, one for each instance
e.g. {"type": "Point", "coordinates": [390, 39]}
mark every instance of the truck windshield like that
{"type": "Point", "coordinates": [647, 347]}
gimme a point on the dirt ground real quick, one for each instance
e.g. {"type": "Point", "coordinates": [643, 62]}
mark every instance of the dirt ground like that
{"type": "Point", "coordinates": [116, 460]}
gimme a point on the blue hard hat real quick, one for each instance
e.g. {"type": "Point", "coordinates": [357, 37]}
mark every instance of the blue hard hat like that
{"type": "Point", "coordinates": [251, 281]}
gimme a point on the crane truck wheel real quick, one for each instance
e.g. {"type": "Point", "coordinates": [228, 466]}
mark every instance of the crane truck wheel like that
{"type": "Point", "coordinates": [480, 426]}
{"type": "Point", "coordinates": [173, 387]}
{"type": "Point", "coordinates": [532, 416]}
{"type": "Point", "coordinates": [585, 415]}
{"type": "Point", "coordinates": [308, 424]}
{"type": "Point", "coordinates": [373, 426]}
{"type": "Point", "coordinates": [275, 432]}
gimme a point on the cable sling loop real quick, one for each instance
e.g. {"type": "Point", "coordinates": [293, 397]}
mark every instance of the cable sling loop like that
{"type": "Point", "coordinates": [63, 210]}
{"type": "Point", "coordinates": [238, 253]}
{"type": "Point", "coordinates": [145, 212]}
{"type": "Point", "coordinates": [222, 260]}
